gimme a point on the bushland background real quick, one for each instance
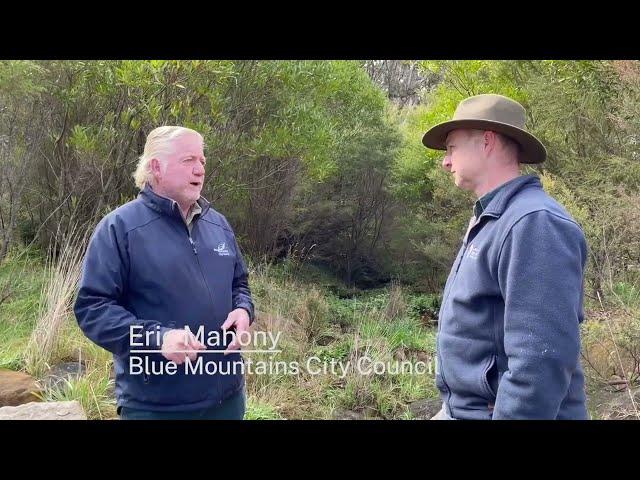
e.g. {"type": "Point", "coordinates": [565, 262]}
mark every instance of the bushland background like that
{"type": "Point", "coordinates": [348, 223]}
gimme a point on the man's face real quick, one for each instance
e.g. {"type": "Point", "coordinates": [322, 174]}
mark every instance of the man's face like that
{"type": "Point", "coordinates": [464, 157]}
{"type": "Point", "coordinates": [183, 176]}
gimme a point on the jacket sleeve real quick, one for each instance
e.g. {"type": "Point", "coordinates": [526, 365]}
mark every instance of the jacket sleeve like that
{"type": "Point", "coordinates": [540, 273]}
{"type": "Point", "coordinates": [240, 289]}
{"type": "Point", "coordinates": [99, 307]}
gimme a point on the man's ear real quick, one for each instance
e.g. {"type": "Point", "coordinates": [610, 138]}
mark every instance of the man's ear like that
{"type": "Point", "coordinates": [489, 139]}
{"type": "Point", "coordinates": [156, 168]}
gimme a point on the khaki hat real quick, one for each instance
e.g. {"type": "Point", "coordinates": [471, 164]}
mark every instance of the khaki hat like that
{"type": "Point", "coordinates": [490, 112]}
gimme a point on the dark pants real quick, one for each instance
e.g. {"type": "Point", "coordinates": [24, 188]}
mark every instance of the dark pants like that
{"type": "Point", "coordinates": [232, 408]}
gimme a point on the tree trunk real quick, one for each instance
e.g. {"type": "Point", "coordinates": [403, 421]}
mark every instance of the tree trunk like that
{"type": "Point", "coordinates": [5, 246]}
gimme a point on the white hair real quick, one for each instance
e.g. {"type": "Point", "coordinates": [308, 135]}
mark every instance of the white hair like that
{"type": "Point", "coordinates": [158, 146]}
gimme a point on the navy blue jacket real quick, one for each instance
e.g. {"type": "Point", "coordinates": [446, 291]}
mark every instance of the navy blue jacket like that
{"type": "Point", "coordinates": [508, 333]}
{"type": "Point", "coordinates": [144, 268]}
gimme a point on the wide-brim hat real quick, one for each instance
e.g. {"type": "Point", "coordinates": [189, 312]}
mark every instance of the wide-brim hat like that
{"type": "Point", "coordinates": [490, 112]}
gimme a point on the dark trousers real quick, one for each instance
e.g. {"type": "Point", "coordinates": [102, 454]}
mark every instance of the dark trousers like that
{"type": "Point", "coordinates": [232, 408]}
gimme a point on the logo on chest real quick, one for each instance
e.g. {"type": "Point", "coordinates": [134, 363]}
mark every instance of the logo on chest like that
{"type": "Point", "coordinates": [222, 249]}
{"type": "Point", "coordinates": [473, 252]}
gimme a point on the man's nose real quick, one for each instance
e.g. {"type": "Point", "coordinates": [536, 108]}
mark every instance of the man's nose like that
{"type": "Point", "coordinates": [446, 163]}
{"type": "Point", "coordinates": [199, 170]}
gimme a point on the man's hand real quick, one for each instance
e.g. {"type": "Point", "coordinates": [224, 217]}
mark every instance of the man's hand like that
{"type": "Point", "coordinates": [238, 318]}
{"type": "Point", "coordinates": [175, 342]}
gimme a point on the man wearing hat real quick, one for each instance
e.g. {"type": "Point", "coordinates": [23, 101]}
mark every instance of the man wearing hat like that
{"type": "Point", "coordinates": [508, 334]}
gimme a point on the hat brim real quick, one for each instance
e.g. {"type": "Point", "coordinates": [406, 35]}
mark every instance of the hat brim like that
{"type": "Point", "coordinates": [532, 149]}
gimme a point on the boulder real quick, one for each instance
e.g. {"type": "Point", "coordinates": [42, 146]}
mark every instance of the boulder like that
{"type": "Point", "coordinates": [425, 409]}
{"type": "Point", "coordinates": [17, 388]}
{"type": "Point", "coordinates": [71, 410]}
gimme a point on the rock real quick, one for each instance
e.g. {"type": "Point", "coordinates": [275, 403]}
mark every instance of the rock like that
{"type": "Point", "coordinates": [44, 411]}
{"type": "Point", "coordinates": [341, 414]}
{"type": "Point", "coordinates": [17, 388]}
{"type": "Point", "coordinates": [426, 408]}
{"type": "Point", "coordinates": [367, 414]}
{"type": "Point", "coordinates": [56, 376]}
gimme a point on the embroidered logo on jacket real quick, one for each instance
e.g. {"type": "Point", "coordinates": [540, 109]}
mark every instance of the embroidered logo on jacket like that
{"type": "Point", "coordinates": [222, 249]}
{"type": "Point", "coordinates": [473, 252]}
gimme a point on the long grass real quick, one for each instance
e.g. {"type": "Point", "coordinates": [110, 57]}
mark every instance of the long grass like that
{"type": "Point", "coordinates": [62, 275]}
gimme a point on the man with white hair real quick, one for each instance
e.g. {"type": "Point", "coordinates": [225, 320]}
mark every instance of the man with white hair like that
{"type": "Point", "coordinates": [508, 333]}
{"type": "Point", "coordinates": [157, 269]}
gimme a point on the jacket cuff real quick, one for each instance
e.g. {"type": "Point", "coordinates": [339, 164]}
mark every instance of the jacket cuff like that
{"type": "Point", "coordinates": [249, 310]}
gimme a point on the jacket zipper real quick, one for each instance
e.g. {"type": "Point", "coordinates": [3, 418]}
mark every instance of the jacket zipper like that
{"type": "Point", "coordinates": [195, 254]}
